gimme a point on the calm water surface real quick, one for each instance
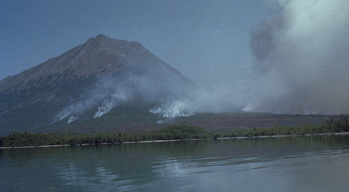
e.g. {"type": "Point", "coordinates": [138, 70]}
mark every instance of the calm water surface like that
{"type": "Point", "coordinates": [318, 163]}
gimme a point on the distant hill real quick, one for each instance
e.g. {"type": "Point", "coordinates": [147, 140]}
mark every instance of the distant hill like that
{"type": "Point", "coordinates": [102, 79]}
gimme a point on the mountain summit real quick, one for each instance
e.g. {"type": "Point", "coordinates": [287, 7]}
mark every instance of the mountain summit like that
{"type": "Point", "coordinates": [89, 75]}
{"type": "Point", "coordinates": [100, 55]}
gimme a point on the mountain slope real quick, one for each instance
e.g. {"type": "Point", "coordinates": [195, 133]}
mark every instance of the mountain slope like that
{"type": "Point", "coordinates": [95, 74]}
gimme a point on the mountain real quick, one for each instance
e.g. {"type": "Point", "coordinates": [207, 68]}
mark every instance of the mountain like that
{"type": "Point", "coordinates": [87, 82]}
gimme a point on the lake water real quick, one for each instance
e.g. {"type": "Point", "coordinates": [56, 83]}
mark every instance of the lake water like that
{"type": "Point", "coordinates": [317, 163]}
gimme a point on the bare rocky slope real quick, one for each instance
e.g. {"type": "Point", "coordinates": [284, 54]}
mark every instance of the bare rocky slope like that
{"type": "Point", "coordinates": [30, 101]}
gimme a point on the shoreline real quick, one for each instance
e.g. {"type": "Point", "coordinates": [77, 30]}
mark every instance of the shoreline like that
{"type": "Point", "coordinates": [271, 136]}
{"type": "Point", "coordinates": [177, 140]}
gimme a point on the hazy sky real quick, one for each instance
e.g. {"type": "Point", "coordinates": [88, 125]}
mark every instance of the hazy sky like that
{"type": "Point", "coordinates": [206, 40]}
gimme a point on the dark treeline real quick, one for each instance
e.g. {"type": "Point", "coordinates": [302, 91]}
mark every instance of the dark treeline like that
{"type": "Point", "coordinates": [330, 126]}
{"type": "Point", "coordinates": [169, 133]}
{"type": "Point", "coordinates": [178, 132]}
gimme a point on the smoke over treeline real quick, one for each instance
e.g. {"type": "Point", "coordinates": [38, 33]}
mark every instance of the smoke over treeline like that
{"type": "Point", "coordinates": [130, 86]}
{"type": "Point", "coordinates": [301, 67]}
{"type": "Point", "coordinates": [168, 96]}
{"type": "Point", "coordinates": [302, 59]}
{"type": "Point", "coordinates": [301, 64]}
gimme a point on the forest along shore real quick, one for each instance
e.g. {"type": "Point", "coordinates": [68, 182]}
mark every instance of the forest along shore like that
{"type": "Point", "coordinates": [177, 140]}
{"type": "Point", "coordinates": [169, 134]}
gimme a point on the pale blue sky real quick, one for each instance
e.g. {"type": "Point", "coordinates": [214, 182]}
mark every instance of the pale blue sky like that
{"type": "Point", "coordinates": [206, 40]}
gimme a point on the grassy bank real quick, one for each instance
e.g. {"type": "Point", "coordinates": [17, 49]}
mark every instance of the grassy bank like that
{"type": "Point", "coordinates": [172, 132]}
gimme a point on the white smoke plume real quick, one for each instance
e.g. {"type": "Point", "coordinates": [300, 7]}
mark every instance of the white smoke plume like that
{"type": "Point", "coordinates": [110, 92]}
{"type": "Point", "coordinates": [302, 56]}
{"type": "Point", "coordinates": [301, 67]}
{"type": "Point", "coordinates": [106, 95]}
{"type": "Point", "coordinates": [202, 100]}
{"type": "Point", "coordinates": [168, 98]}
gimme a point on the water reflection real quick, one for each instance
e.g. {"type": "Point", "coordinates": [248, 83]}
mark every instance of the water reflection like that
{"type": "Point", "coordinates": [268, 164]}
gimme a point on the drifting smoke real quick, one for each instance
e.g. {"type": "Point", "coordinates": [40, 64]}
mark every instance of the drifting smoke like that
{"type": "Point", "coordinates": [169, 98]}
{"type": "Point", "coordinates": [110, 92]}
{"type": "Point", "coordinates": [106, 95]}
{"type": "Point", "coordinates": [301, 67]}
{"type": "Point", "coordinates": [302, 57]}
{"type": "Point", "coordinates": [203, 100]}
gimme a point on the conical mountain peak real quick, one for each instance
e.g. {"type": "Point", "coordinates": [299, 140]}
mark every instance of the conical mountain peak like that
{"type": "Point", "coordinates": [51, 85]}
{"type": "Point", "coordinates": [98, 55]}
{"type": "Point", "coordinates": [121, 47]}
